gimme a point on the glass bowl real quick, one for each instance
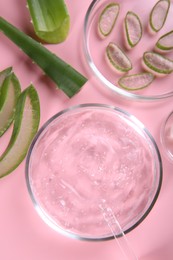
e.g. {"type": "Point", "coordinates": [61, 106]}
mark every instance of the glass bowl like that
{"type": "Point", "coordinates": [167, 136]}
{"type": "Point", "coordinates": [85, 156]}
{"type": "Point", "coordinates": [94, 49]}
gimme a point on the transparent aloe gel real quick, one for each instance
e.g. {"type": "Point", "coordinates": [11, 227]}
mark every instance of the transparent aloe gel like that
{"type": "Point", "coordinates": [84, 155]}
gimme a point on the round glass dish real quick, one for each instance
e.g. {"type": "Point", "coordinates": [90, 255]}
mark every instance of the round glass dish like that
{"type": "Point", "coordinates": [94, 48]}
{"type": "Point", "coordinates": [87, 155]}
{"type": "Point", "coordinates": [167, 136]}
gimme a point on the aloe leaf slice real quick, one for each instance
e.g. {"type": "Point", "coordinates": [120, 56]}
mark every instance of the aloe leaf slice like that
{"type": "Point", "coordinates": [66, 77]}
{"type": "Point", "coordinates": [26, 124]}
{"type": "Point", "coordinates": [50, 19]}
{"type": "Point", "coordinates": [157, 64]}
{"type": "Point", "coordinates": [3, 74]}
{"type": "Point", "coordinates": [136, 81]}
{"type": "Point", "coordinates": [117, 58]}
{"type": "Point", "coordinates": [165, 42]}
{"type": "Point", "coordinates": [107, 19]}
{"type": "Point", "coordinates": [158, 15]}
{"type": "Point", "coordinates": [133, 29]}
{"type": "Point", "coordinates": [10, 91]}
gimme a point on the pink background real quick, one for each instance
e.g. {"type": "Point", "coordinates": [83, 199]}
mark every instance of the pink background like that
{"type": "Point", "coordinates": [23, 235]}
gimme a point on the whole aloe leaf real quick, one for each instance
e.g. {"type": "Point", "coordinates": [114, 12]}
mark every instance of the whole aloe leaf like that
{"type": "Point", "coordinates": [65, 76]}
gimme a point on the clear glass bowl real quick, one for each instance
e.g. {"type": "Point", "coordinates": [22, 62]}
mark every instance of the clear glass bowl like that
{"type": "Point", "coordinates": [87, 155]}
{"type": "Point", "coordinates": [167, 136]}
{"type": "Point", "coordinates": [94, 49]}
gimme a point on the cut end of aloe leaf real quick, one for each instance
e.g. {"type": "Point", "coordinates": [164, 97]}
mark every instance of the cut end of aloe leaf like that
{"type": "Point", "coordinates": [117, 58]}
{"type": "Point", "coordinates": [132, 29]}
{"type": "Point", "coordinates": [107, 19]}
{"type": "Point", "coordinates": [157, 64]}
{"type": "Point", "coordinates": [136, 81]}
{"type": "Point", "coordinates": [10, 91]}
{"type": "Point", "coordinates": [50, 19]}
{"type": "Point", "coordinates": [158, 15]}
{"type": "Point", "coordinates": [26, 124]}
{"type": "Point", "coordinates": [165, 42]}
{"type": "Point", "coordinates": [57, 36]}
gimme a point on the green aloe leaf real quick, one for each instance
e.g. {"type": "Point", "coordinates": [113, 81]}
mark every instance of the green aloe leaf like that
{"type": "Point", "coordinates": [10, 91]}
{"type": "Point", "coordinates": [26, 123]}
{"type": "Point", "coordinates": [3, 74]}
{"type": "Point", "coordinates": [50, 19]}
{"type": "Point", "coordinates": [65, 76]}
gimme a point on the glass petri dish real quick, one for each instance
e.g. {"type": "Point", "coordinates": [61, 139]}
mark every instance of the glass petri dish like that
{"type": "Point", "coordinates": [167, 136]}
{"type": "Point", "coordinates": [94, 49]}
{"type": "Point", "coordinates": [88, 155]}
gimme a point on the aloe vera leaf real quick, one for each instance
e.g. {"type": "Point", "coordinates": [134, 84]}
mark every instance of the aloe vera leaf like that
{"type": "Point", "coordinates": [157, 64]}
{"type": "Point", "coordinates": [26, 123]}
{"type": "Point", "coordinates": [107, 19]}
{"type": "Point", "coordinates": [133, 29]}
{"type": "Point", "coordinates": [136, 81]}
{"type": "Point", "coordinates": [158, 15]}
{"type": "Point", "coordinates": [117, 58]}
{"type": "Point", "coordinates": [10, 91]}
{"type": "Point", "coordinates": [165, 42]}
{"type": "Point", "coordinates": [65, 76]}
{"type": "Point", "coordinates": [3, 74]}
{"type": "Point", "coordinates": [50, 19]}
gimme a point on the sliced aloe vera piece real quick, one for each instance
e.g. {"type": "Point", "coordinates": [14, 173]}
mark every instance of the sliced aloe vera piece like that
{"type": "Point", "coordinates": [10, 91]}
{"type": "Point", "coordinates": [158, 15]}
{"type": "Point", "coordinates": [107, 19]}
{"type": "Point", "coordinates": [65, 76]}
{"type": "Point", "coordinates": [136, 81]}
{"type": "Point", "coordinates": [26, 124]}
{"type": "Point", "coordinates": [117, 58]}
{"type": "Point", "coordinates": [50, 19]}
{"type": "Point", "coordinates": [133, 29]}
{"type": "Point", "coordinates": [165, 42]}
{"type": "Point", "coordinates": [157, 64]}
{"type": "Point", "coordinates": [3, 74]}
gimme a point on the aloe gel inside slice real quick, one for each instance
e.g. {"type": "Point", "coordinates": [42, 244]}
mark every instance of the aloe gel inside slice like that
{"type": "Point", "coordinates": [108, 18]}
{"type": "Point", "coordinates": [117, 58]}
{"type": "Point", "coordinates": [133, 29]}
{"type": "Point", "coordinates": [159, 14]}
{"type": "Point", "coordinates": [158, 63]}
{"type": "Point", "coordinates": [136, 81]}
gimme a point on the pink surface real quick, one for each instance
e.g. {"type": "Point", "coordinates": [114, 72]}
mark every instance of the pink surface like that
{"type": "Point", "coordinates": [23, 234]}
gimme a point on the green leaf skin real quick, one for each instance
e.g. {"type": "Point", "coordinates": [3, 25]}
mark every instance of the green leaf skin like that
{"type": "Point", "coordinates": [26, 123]}
{"type": "Point", "coordinates": [50, 19]}
{"type": "Point", "coordinates": [10, 91]}
{"type": "Point", "coordinates": [66, 77]}
{"type": "Point", "coordinates": [3, 74]}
